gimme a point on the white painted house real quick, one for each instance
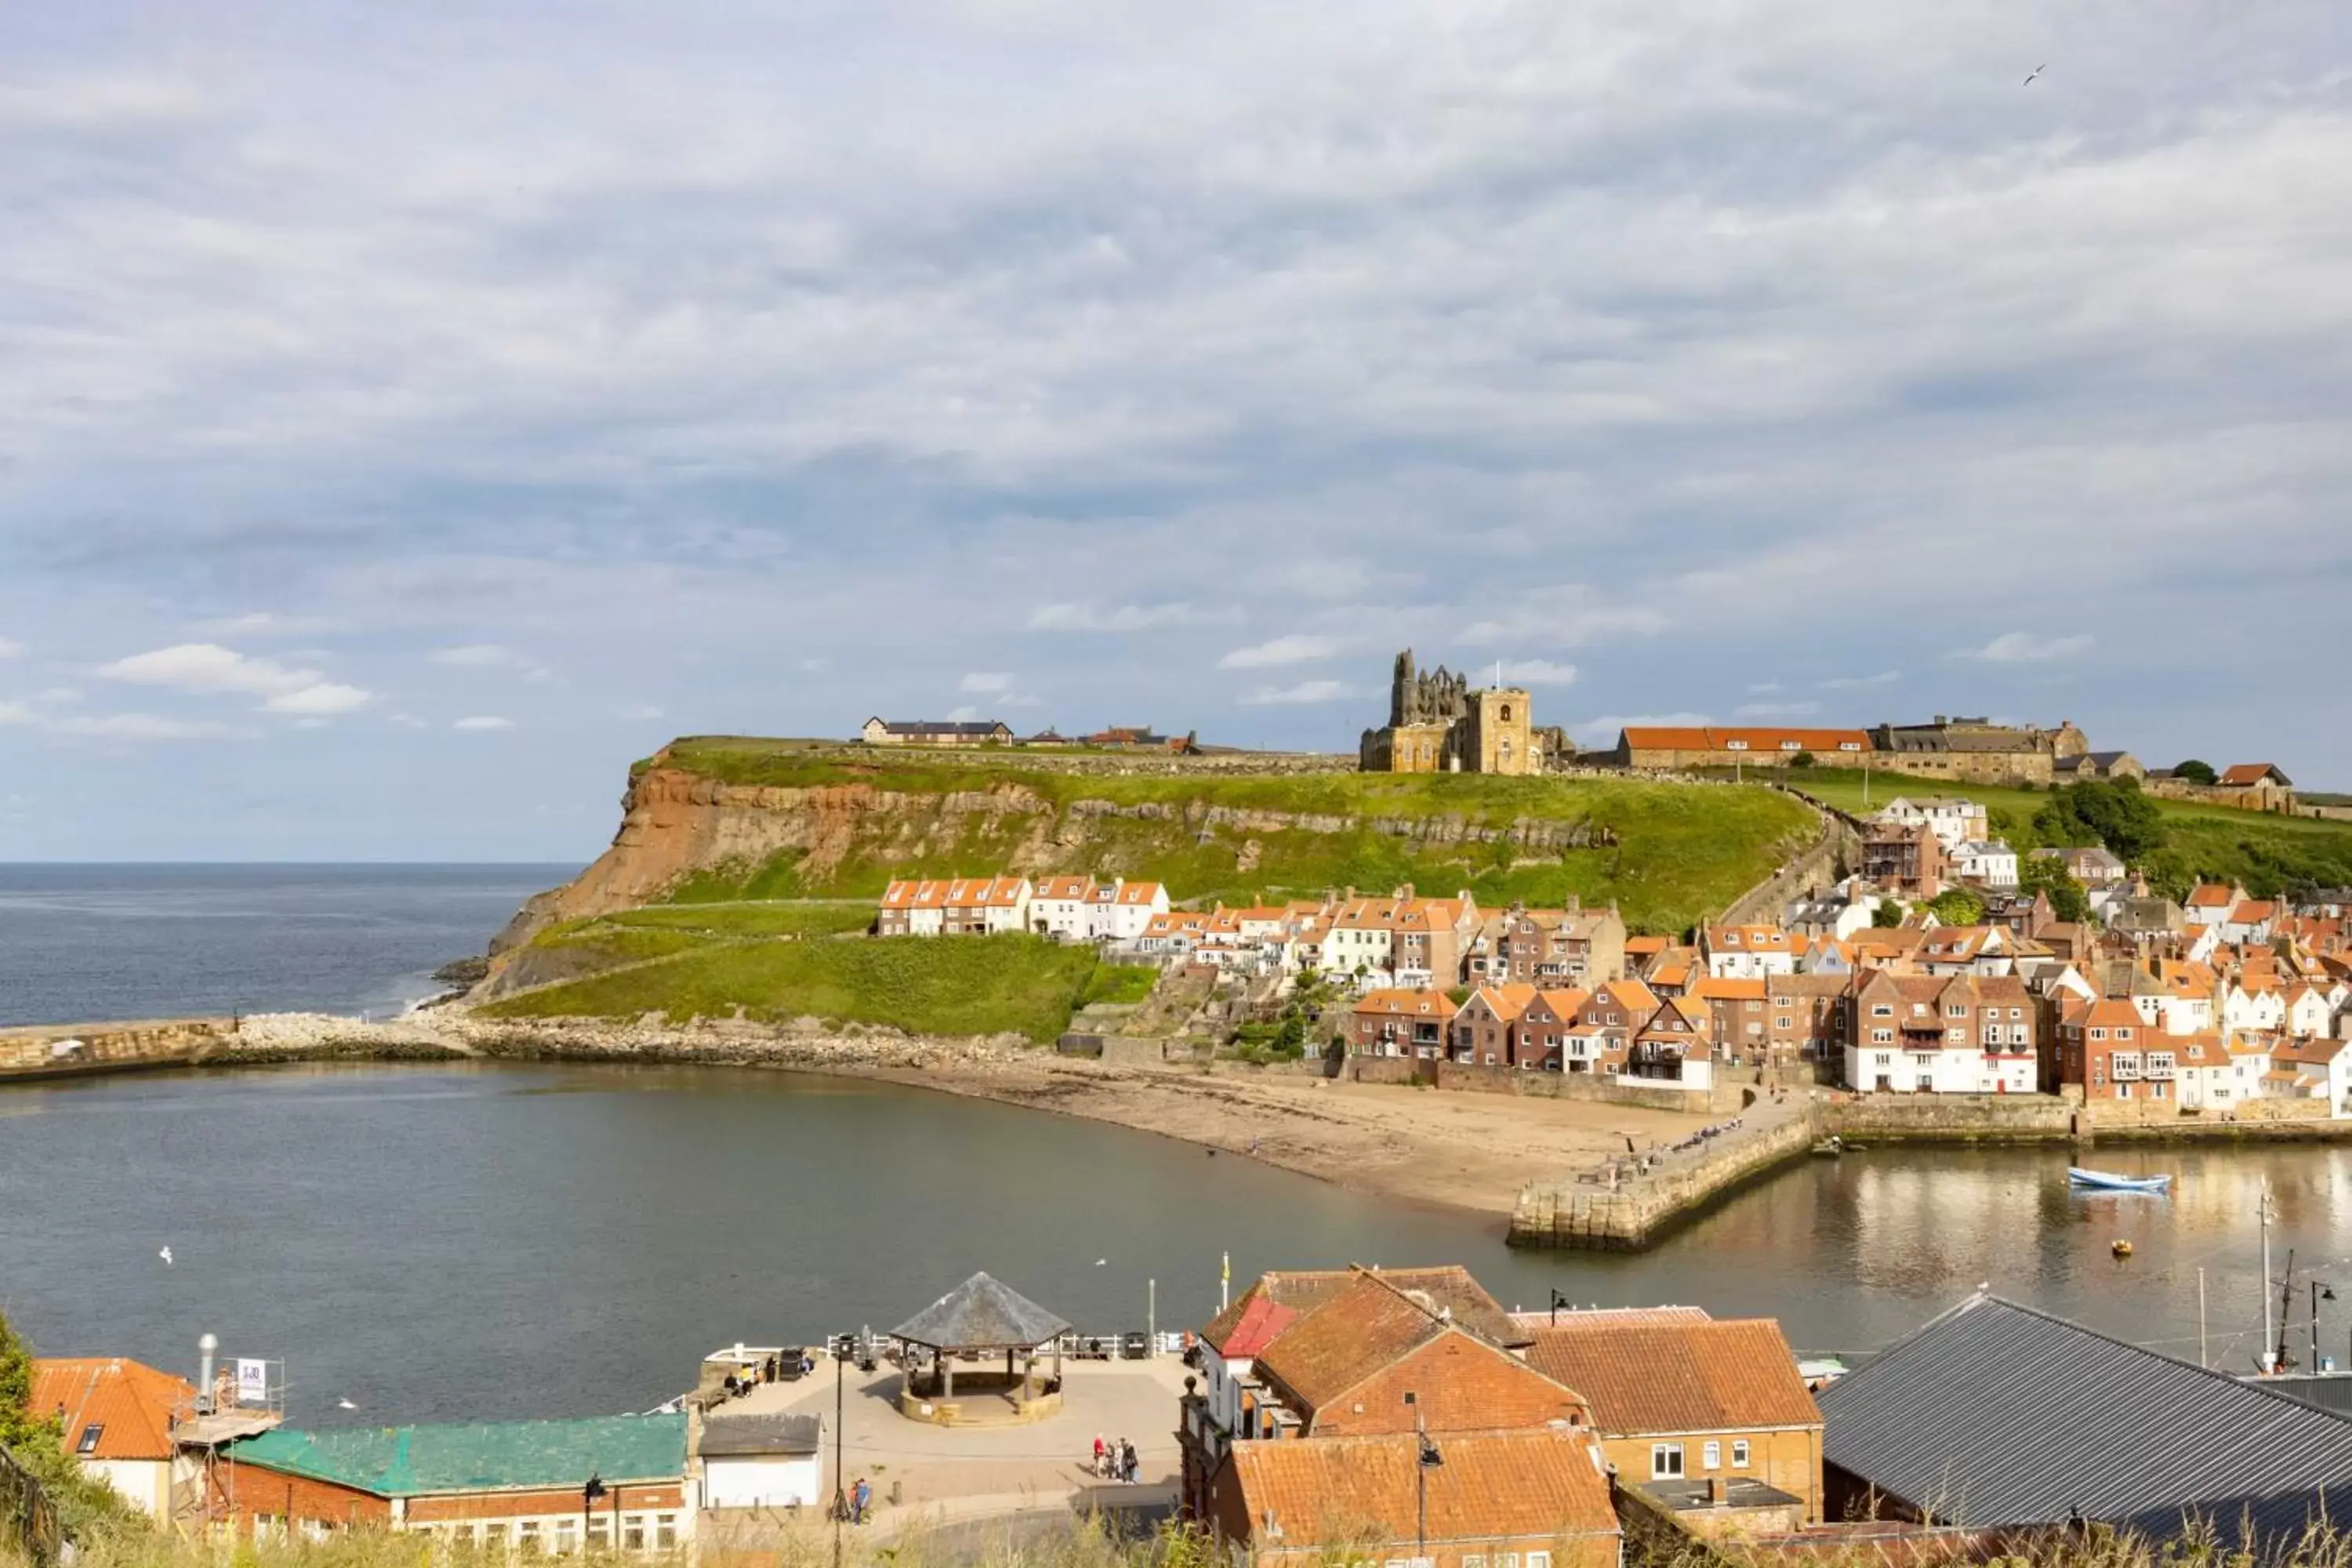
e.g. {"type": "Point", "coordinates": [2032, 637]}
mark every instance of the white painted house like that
{"type": "Point", "coordinates": [1955, 821]}
{"type": "Point", "coordinates": [1120, 911]}
{"type": "Point", "coordinates": [763, 1461]}
{"type": "Point", "coordinates": [1749, 952]}
{"type": "Point", "coordinates": [117, 1417]}
{"type": "Point", "coordinates": [1990, 862]}
{"type": "Point", "coordinates": [1057, 907]}
{"type": "Point", "coordinates": [2263, 1009]}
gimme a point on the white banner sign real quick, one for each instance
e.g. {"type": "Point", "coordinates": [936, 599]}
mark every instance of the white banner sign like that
{"type": "Point", "coordinates": [252, 1382]}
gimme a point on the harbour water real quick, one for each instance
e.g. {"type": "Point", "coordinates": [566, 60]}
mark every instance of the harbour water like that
{"type": "Point", "coordinates": [85, 944]}
{"type": "Point", "coordinates": [438, 1242]}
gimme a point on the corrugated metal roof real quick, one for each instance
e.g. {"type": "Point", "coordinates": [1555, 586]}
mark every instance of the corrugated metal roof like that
{"type": "Point", "coordinates": [1996, 1415]}
{"type": "Point", "coordinates": [744, 1435]}
{"type": "Point", "coordinates": [490, 1455]}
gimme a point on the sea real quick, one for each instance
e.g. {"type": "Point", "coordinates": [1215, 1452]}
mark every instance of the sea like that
{"type": "Point", "coordinates": [110, 942]}
{"type": "Point", "coordinates": [452, 1241]}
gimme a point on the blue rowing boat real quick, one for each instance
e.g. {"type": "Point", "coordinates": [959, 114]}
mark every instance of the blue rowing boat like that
{"type": "Point", "coordinates": [2109, 1182]}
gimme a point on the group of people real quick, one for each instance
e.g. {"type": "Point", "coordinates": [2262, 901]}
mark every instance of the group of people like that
{"type": "Point", "coordinates": [1115, 1461]}
{"type": "Point", "coordinates": [1714, 1130]}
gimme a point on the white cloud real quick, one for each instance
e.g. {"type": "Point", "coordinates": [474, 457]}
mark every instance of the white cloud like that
{"type": "Point", "coordinates": [814, 666]}
{"type": "Point", "coordinates": [408, 721]}
{"type": "Point", "coordinates": [1564, 615]}
{"type": "Point", "coordinates": [1775, 709]}
{"type": "Point", "coordinates": [2026, 647]}
{"type": "Point", "coordinates": [1305, 691]}
{"type": "Point", "coordinates": [985, 683]}
{"type": "Point", "coordinates": [326, 697]}
{"type": "Point", "coordinates": [18, 713]}
{"type": "Point", "coordinates": [1855, 682]}
{"type": "Point", "coordinates": [479, 655]}
{"type": "Point", "coordinates": [1298, 648]}
{"type": "Point", "coordinates": [11, 649]}
{"type": "Point", "coordinates": [967, 714]}
{"type": "Point", "coordinates": [263, 623]}
{"type": "Point", "coordinates": [483, 721]}
{"type": "Point", "coordinates": [637, 712]}
{"type": "Point", "coordinates": [208, 669]}
{"type": "Point", "coordinates": [1086, 617]}
{"type": "Point", "coordinates": [1761, 687]}
{"type": "Point", "coordinates": [1537, 672]}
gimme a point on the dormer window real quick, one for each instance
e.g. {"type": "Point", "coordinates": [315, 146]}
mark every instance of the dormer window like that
{"type": "Point", "coordinates": [1735, 745]}
{"type": "Point", "coordinates": [89, 1436]}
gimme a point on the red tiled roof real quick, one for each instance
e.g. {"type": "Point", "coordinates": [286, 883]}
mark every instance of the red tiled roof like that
{"type": "Point", "coordinates": [130, 1402]}
{"type": "Point", "coordinates": [2241, 775]}
{"type": "Point", "coordinates": [1765, 738]}
{"type": "Point", "coordinates": [1665, 1377]}
{"type": "Point", "coordinates": [1333, 1491]}
{"type": "Point", "coordinates": [1261, 1318]}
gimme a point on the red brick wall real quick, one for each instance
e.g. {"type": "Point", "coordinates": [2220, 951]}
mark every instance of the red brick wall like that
{"type": "Point", "coordinates": [241, 1491]}
{"type": "Point", "coordinates": [526, 1505]}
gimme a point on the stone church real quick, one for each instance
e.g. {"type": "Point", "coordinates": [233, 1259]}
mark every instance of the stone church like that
{"type": "Point", "coordinates": [1437, 724]}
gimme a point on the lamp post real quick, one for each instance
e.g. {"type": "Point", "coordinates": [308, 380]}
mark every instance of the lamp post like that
{"type": "Point", "coordinates": [588, 1496]}
{"type": "Point", "coordinates": [1427, 1460]}
{"type": "Point", "coordinates": [2320, 1291]}
{"type": "Point", "coordinates": [1558, 1302]}
{"type": "Point", "coordinates": [840, 1388]}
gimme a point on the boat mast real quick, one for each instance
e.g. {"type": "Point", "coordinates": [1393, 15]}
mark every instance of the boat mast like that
{"type": "Point", "coordinates": [2265, 1208]}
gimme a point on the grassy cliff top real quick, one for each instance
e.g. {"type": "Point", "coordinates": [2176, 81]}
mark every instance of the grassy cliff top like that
{"type": "Point", "coordinates": [1666, 853]}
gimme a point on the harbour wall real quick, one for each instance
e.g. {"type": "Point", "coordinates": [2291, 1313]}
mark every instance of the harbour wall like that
{"type": "Point", "coordinates": [69, 1050]}
{"type": "Point", "coordinates": [1588, 1213]}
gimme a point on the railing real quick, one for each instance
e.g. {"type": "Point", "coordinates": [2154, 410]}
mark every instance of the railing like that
{"type": "Point", "coordinates": [27, 1518]}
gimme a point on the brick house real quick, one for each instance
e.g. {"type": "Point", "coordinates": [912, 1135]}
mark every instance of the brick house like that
{"type": "Point", "coordinates": [1535, 1499]}
{"type": "Point", "coordinates": [2108, 1051]}
{"type": "Point", "coordinates": [1611, 1015]}
{"type": "Point", "coordinates": [1806, 1014]}
{"type": "Point", "coordinates": [1708, 1418]}
{"type": "Point", "coordinates": [935, 732]}
{"type": "Point", "coordinates": [1906, 860]}
{"type": "Point", "coordinates": [1676, 1042]}
{"type": "Point", "coordinates": [1961, 1034]}
{"type": "Point", "coordinates": [1558, 947]}
{"type": "Point", "coordinates": [1398, 1023]}
{"type": "Point", "coordinates": [1739, 1017]}
{"type": "Point", "coordinates": [1482, 1027]}
{"type": "Point", "coordinates": [493, 1486]}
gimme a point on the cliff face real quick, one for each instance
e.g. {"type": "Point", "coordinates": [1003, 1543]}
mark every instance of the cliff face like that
{"type": "Point", "coordinates": [843, 839]}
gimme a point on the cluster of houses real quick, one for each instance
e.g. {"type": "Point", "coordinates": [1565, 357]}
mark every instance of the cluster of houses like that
{"type": "Point", "coordinates": [1404, 1415]}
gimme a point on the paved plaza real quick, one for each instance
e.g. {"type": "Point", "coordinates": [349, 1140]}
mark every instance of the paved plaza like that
{"type": "Point", "coordinates": [938, 1477]}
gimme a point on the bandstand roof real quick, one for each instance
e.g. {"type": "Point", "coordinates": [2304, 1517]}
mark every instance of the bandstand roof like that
{"type": "Point", "coordinates": [981, 1314]}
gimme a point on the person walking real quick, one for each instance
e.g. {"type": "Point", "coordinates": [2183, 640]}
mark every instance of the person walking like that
{"type": "Point", "coordinates": [1102, 1452]}
{"type": "Point", "coordinates": [1129, 1467]}
{"type": "Point", "coordinates": [861, 1498]}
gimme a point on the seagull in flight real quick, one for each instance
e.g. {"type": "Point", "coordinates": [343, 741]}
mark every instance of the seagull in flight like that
{"type": "Point", "coordinates": [166, 1256]}
{"type": "Point", "coordinates": [2037, 71]}
{"type": "Point", "coordinates": [1100, 1262]}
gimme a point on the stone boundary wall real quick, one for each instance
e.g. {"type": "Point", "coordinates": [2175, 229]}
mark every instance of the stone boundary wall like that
{"type": "Point", "coordinates": [30, 1053]}
{"type": "Point", "coordinates": [1588, 1215]}
{"type": "Point", "coordinates": [1464, 1078]}
{"type": "Point", "coordinates": [1951, 1117]}
{"type": "Point", "coordinates": [1115, 762]}
{"type": "Point", "coordinates": [1820, 866]}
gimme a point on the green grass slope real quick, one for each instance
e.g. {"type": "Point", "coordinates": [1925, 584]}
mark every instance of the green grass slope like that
{"type": "Point", "coordinates": [2267, 854]}
{"type": "Point", "coordinates": [943, 986]}
{"type": "Point", "coordinates": [1680, 851]}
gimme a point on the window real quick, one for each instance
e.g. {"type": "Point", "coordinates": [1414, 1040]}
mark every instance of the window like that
{"type": "Point", "coordinates": [567, 1536]}
{"type": "Point", "coordinates": [1781, 1023]}
{"type": "Point", "coordinates": [1712, 1456]}
{"type": "Point", "coordinates": [494, 1535]}
{"type": "Point", "coordinates": [1740, 1455]}
{"type": "Point", "coordinates": [1665, 1459]}
{"type": "Point", "coordinates": [526, 1537]}
{"type": "Point", "coordinates": [665, 1531]}
{"type": "Point", "coordinates": [1735, 746]}
{"type": "Point", "coordinates": [89, 1436]}
{"type": "Point", "coordinates": [1881, 1037]}
{"type": "Point", "coordinates": [633, 1533]}
{"type": "Point", "coordinates": [1881, 1010]}
{"type": "Point", "coordinates": [1538, 1560]}
{"type": "Point", "coordinates": [1957, 1036]}
{"type": "Point", "coordinates": [1475, 1562]}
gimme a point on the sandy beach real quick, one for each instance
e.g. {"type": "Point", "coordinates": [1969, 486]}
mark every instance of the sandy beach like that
{"type": "Point", "coordinates": [1462, 1150]}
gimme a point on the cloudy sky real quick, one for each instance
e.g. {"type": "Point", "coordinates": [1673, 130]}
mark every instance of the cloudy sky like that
{"type": "Point", "coordinates": [410, 413]}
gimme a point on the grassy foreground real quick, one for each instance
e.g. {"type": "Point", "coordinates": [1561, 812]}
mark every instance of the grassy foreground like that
{"type": "Point", "coordinates": [940, 985]}
{"type": "Point", "coordinates": [1666, 853]}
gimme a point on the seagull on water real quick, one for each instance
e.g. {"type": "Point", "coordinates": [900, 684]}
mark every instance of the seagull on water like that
{"type": "Point", "coordinates": [1101, 1262]}
{"type": "Point", "coordinates": [166, 1256]}
{"type": "Point", "coordinates": [2037, 71]}
{"type": "Point", "coordinates": [345, 1405]}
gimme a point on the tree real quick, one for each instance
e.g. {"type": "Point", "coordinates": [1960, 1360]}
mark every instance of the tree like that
{"type": "Point", "coordinates": [1957, 907]}
{"type": "Point", "coordinates": [18, 1429]}
{"type": "Point", "coordinates": [87, 1505]}
{"type": "Point", "coordinates": [2048, 875]}
{"type": "Point", "coordinates": [2195, 772]}
{"type": "Point", "coordinates": [1888, 914]}
{"type": "Point", "coordinates": [2113, 814]}
{"type": "Point", "coordinates": [1801, 760]}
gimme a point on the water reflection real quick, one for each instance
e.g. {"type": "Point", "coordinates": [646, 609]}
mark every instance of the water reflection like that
{"type": "Point", "coordinates": [437, 1241]}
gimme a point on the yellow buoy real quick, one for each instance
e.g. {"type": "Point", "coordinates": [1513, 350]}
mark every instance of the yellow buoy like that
{"type": "Point", "coordinates": [2121, 1248]}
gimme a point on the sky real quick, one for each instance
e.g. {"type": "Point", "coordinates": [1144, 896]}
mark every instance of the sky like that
{"type": "Point", "coordinates": [412, 413]}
